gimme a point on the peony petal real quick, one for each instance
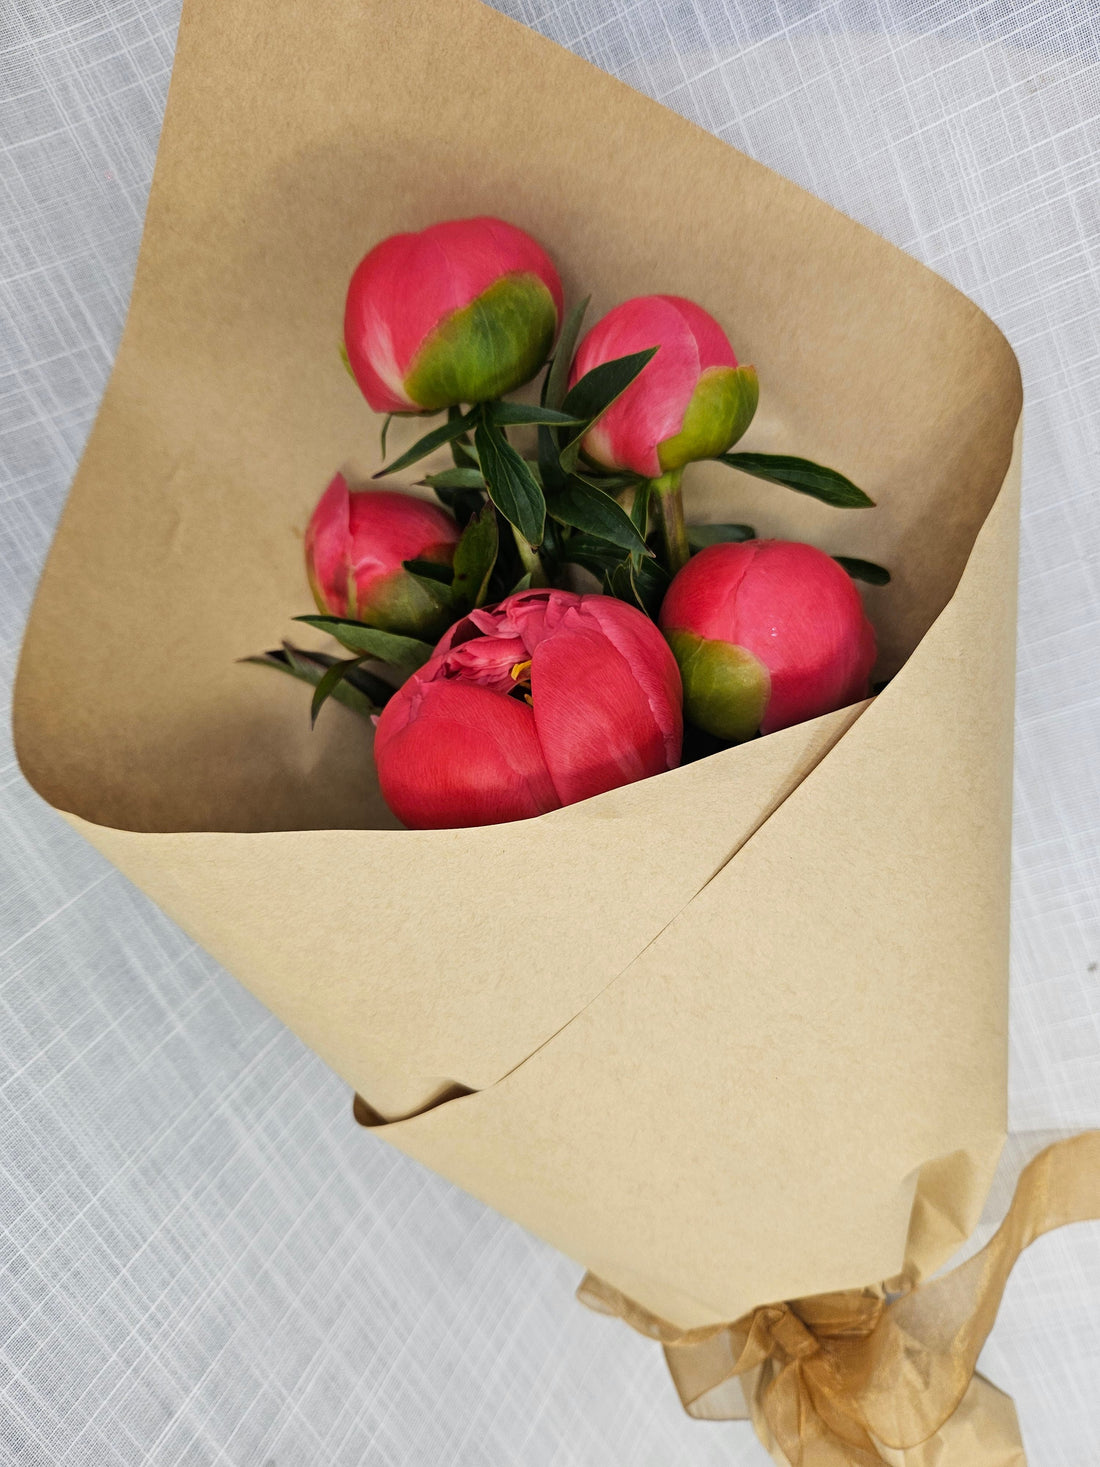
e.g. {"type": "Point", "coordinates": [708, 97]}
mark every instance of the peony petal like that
{"type": "Point", "coordinates": [356, 543]}
{"type": "Point", "coordinates": [486, 662]}
{"type": "Point", "coordinates": [703, 596]}
{"type": "Point", "coordinates": [650, 659]}
{"type": "Point", "coordinates": [594, 719]}
{"type": "Point", "coordinates": [800, 613]}
{"type": "Point", "coordinates": [860, 685]}
{"type": "Point", "coordinates": [455, 746]}
{"type": "Point", "coordinates": [328, 548]}
{"type": "Point", "coordinates": [652, 408]}
{"type": "Point", "coordinates": [711, 343]}
{"type": "Point", "coordinates": [524, 253]}
{"type": "Point", "coordinates": [388, 527]}
{"type": "Point", "coordinates": [407, 284]}
{"type": "Point", "coordinates": [793, 608]}
{"type": "Point", "coordinates": [450, 754]}
{"type": "Point", "coordinates": [372, 324]}
{"type": "Point", "coordinates": [536, 615]}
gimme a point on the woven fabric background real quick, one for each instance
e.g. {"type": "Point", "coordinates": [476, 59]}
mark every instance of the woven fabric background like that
{"type": "Point", "coordinates": [202, 1261]}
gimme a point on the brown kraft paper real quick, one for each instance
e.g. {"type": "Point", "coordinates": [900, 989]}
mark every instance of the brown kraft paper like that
{"type": "Point", "coordinates": [730, 1035]}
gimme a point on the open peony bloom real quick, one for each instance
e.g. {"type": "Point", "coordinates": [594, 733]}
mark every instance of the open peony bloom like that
{"type": "Point", "coordinates": [548, 698]}
{"type": "Point", "coordinates": [767, 633]}
{"type": "Point", "coordinates": [691, 401]}
{"type": "Point", "coordinates": [462, 312]}
{"type": "Point", "coordinates": [355, 545]}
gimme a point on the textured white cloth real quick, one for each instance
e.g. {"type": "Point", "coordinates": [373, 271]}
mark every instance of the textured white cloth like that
{"type": "Point", "coordinates": [202, 1261]}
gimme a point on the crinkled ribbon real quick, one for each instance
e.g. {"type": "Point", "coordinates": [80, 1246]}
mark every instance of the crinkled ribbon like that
{"type": "Point", "coordinates": [871, 1378]}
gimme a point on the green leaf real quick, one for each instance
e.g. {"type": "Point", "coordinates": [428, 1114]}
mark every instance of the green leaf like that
{"type": "Point", "coordinates": [799, 473]}
{"type": "Point", "coordinates": [586, 508]}
{"type": "Point", "coordinates": [475, 556]}
{"type": "Point", "coordinates": [864, 570]}
{"type": "Point", "coordinates": [639, 508]}
{"type": "Point", "coordinates": [521, 412]}
{"type": "Point", "coordinates": [313, 664]}
{"type": "Point", "coordinates": [551, 473]}
{"type": "Point", "coordinates": [434, 579]}
{"type": "Point", "coordinates": [466, 478]}
{"type": "Point", "coordinates": [511, 484]}
{"type": "Point", "coordinates": [553, 391]}
{"type": "Point", "coordinates": [373, 688]}
{"type": "Point", "coordinates": [594, 393]}
{"type": "Point", "coordinates": [650, 581]}
{"type": "Point", "coordinates": [558, 376]}
{"type": "Point", "coordinates": [609, 483]}
{"type": "Point", "coordinates": [464, 504]}
{"type": "Point", "coordinates": [530, 558]}
{"type": "Point", "coordinates": [462, 450]}
{"type": "Point", "coordinates": [386, 421]}
{"type": "Point", "coordinates": [328, 684]}
{"type": "Point", "coordinates": [700, 536]}
{"type": "Point", "coordinates": [403, 652]}
{"type": "Point", "coordinates": [617, 583]}
{"type": "Point", "coordinates": [430, 570]}
{"type": "Point", "coordinates": [594, 554]}
{"type": "Point", "coordinates": [550, 551]}
{"type": "Point", "coordinates": [523, 584]}
{"type": "Point", "coordinates": [462, 490]}
{"type": "Point", "coordinates": [346, 360]}
{"type": "Point", "coordinates": [639, 582]}
{"type": "Point", "coordinates": [445, 433]}
{"type": "Point", "coordinates": [292, 662]}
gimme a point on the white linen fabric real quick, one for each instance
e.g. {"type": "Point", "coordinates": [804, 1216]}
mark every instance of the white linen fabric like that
{"type": "Point", "coordinates": [202, 1260]}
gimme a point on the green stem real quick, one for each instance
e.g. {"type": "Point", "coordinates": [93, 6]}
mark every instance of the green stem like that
{"type": "Point", "coordinates": [670, 516]}
{"type": "Point", "coordinates": [531, 559]}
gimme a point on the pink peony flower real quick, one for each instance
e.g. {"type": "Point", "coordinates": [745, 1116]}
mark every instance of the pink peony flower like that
{"type": "Point", "coordinates": [355, 545]}
{"type": "Point", "coordinates": [462, 312]}
{"type": "Point", "coordinates": [766, 633]}
{"type": "Point", "coordinates": [546, 699]}
{"type": "Point", "coordinates": [691, 401]}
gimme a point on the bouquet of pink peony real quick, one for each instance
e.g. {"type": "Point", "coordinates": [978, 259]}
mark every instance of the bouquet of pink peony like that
{"type": "Point", "coordinates": [543, 691]}
{"type": "Point", "coordinates": [654, 898]}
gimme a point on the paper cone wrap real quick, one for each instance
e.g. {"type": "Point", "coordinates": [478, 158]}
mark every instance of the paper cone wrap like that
{"type": "Point", "coordinates": [729, 1035]}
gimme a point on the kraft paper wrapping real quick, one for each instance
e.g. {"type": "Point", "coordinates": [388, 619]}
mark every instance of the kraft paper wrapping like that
{"type": "Point", "coordinates": [884, 1376]}
{"type": "Point", "coordinates": [731, 1035]}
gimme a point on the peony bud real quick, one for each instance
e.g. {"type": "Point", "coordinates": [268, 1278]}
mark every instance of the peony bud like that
{"type": "Point", "coordinates": [767, 633]}
{"type": "Point", "coordinates": [462, 312]}
{"type": "Point", "coordinates": [546, 699]}
{"type": "Point", "coordinates": [355, 545]}
{"type": "Point", "coordinates": [691, 401]}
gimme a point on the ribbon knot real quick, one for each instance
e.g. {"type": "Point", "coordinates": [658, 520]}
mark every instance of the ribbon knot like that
{"type": "Point", "coordinates": [870, 1378]}
{"type": "Point", "coordinates": [789, 1334]}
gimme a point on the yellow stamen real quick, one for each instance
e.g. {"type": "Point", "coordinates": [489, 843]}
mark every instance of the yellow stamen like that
{"type": "Point", "coordinates": [520, 670]}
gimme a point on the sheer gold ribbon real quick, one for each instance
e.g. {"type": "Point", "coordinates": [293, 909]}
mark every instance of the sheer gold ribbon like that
{"type": "Point", "coordinates": [870, 1377]}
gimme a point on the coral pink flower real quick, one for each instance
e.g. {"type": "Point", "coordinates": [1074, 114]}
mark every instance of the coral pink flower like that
{"type": "Point", "coordinates": [767, 633]}
{"type": "Point", "coordinates": [462, 312]}
{"type": "Point", "coordinates": [355, 545]}
{"type": "Point", "coordinates": [548, 698]}
{"type": "Point", "coordinates": [691, 401]}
